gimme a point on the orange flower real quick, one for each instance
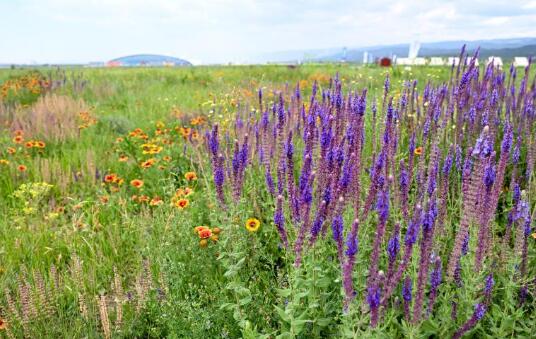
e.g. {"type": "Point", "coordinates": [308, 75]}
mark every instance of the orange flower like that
{"type": "Point", "coordinates": [156, 201]}
{"type": "Point", "coordinates": [39, 144]}
{"type": "Point", "coordinates": [214, 238]}
{"type": "Point", "coordinates": [137, 183]}
{"type": "Point", "coordinates": [205, 233]}
{"type": "Point", "coordinates": [143, 198]}
{"type": "Point", "coordinates": [198, 229]}
{"type": "Point", "coordinates": [183, 192]}
{"type": "Point", "coordinates": [19, 132]}
{"type": "Point", "coordinates": [112, 177]}
{"type": "Point", "coordinates": [203, 243]}
{"type": "Point", "coordinates": [18, 139]}
{"type": "Point", "coordinates": [185, 131]}
{"type": "Point", "coordinates": [190, 176]}
{"type": "Point", "coordinates": [182, 203]}
{"type": "Point", "coordinates": [123, 158]}
{"type": "Point", "coordinates": [148, 163]}
{"type": "Point", "coordinates": [167, 158]}
{"type": "Point", "coordinates": [11, 150]}
{"type": "Point", "coordinates": [22, 168]}
{"type": "Point", "coordinates": [216, 230]}
{"type": "Point", "coordinates": [3, 324]}
{"type": "Point", "coordinates": [104, 199]}
{"type": "Point", "coordinates": [418, 151]}
{"type": "Point", "coordinates": [29, 144]}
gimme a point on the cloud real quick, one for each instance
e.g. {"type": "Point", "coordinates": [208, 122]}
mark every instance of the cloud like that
{"type": "Point", "coordinates": [234, 30]}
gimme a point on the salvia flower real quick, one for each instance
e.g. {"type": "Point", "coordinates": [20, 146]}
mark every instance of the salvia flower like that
{"type": "Point", "coordinates": [479, 312]}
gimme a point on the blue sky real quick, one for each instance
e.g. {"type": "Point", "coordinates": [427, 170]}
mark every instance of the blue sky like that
{"type": "Point", "coordinates": [205, 31]}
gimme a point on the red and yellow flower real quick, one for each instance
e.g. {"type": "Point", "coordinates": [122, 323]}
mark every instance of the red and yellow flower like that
{"type": "Point", "coordinates": [253, 224]}
{"type": "Point", "coordinates": [148, 163]}
{"type": "Point", "coordinates": [182, 203]}
{"type": "Point", "coordinates": [136, 183]}
{"type": "Point", "coordinates": [190, 176]}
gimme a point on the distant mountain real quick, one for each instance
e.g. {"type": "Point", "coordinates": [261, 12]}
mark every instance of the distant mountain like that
{"type": "Point", "coordinates": [505, 48]}
{"type": "Point", "coordinates": [148, 60]}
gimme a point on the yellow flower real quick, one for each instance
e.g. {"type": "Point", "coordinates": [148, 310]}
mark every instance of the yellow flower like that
{"type": "Point", "coordinates": [52, 215]}
{"type": "Point", "coordinates": [253, 224]}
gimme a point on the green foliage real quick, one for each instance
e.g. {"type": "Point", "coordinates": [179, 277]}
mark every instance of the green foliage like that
{"type": "Point", "coordinates": [242, 285]}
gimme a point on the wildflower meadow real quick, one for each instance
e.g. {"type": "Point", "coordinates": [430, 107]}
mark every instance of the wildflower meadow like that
{"type": "Point", "coordinates": [312, 201]}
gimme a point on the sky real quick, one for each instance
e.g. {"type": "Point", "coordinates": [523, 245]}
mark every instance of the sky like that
{"type": "Point", "coordinates": [210, 31]}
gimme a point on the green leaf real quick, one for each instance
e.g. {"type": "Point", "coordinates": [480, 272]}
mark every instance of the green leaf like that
{"type": "Point", "coordinates": [285, 335]}
{"type": "Point", "coordinates": [283, 315]}
{"type": "Point", "coordinates": [297, 325]}
{"type": "Point", "coordinates": [323, 282]}
{"type": "Point", "coordinates": [284, 292]}
{"type": "Point", "coordinates": [323, 322]}
{"type": "Point", "coordinates": [227, 306]}
{"type": "Point", "coordinates": [245, 301]}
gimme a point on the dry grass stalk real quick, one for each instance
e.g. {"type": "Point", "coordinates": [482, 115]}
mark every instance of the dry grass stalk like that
{"type": "Point", "coordinates": [117, 288]}
{"type": "Point", "coordinates": [148, 276]}
{"type": "Point", "coordinates": [12, 308]}
{"type": "Point", "coordinates": [53, 117]}
{"type": "Point", "coordinates": [76, 273]}
{"type": "Point", "coordinates": [162, 283]}
{"type": "Point", "coordinates": [105, 320]}
{"type": "Point", "coordinates": [42, 295]}
{"type": "Point", "coordinates": [52, 171]}
{"type": "Point", "coordinates": [28, 307]}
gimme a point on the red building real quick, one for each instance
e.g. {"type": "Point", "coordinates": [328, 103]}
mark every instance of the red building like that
{"type": "Point", "coordinates": [385, 62]}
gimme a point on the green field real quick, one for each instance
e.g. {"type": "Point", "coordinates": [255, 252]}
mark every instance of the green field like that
{"type": "Point", "coordinates": [98, 214]}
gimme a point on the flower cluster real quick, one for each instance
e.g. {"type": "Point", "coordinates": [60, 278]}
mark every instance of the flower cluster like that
{"type": "Point", "coordinates": [322, 168]}
{"type": "Point", "coordinates": [206, 233]}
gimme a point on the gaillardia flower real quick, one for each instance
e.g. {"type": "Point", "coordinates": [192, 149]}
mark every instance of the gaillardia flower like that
{"type": "Point", "coordinates": [182, 203]}
{"type": "Point", "coordinates": [253, 224]}
{"type": "Point", "coordinates": [137, 183]}
{"type": "Point", "coordinates": [190, 176]}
